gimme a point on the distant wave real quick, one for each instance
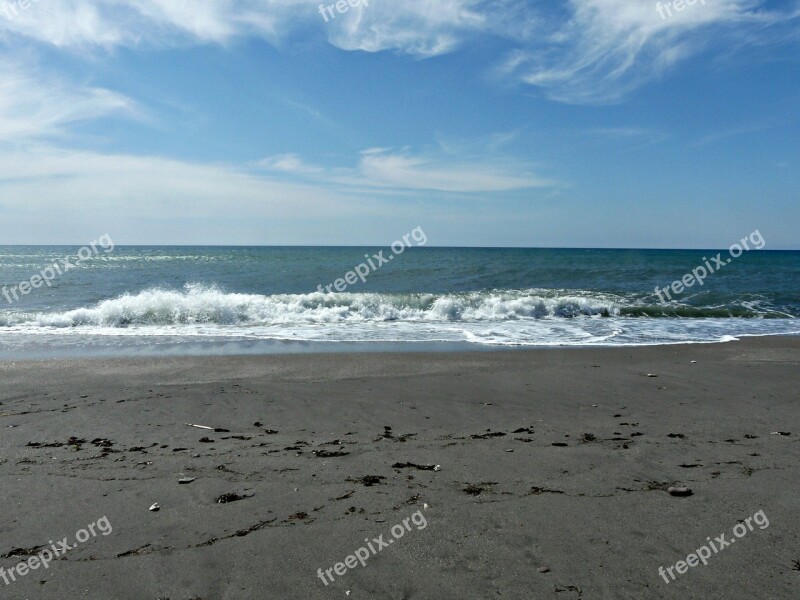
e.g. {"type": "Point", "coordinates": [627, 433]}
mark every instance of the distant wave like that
{"type": "Point", "coordinates": [200, 304]}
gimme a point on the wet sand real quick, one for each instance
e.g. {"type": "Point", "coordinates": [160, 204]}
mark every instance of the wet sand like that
{"type": "Point", "coordinates": [539, 474]}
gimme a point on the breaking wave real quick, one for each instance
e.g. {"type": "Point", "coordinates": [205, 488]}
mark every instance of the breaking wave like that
{"type": "Point", "coordinates": [531, 317]}
{"type": "Point", "coordinates": [198, 304]}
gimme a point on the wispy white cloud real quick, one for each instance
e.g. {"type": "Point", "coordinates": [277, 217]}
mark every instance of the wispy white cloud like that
{"type": "Point", "coordinates": [289, 163]}
{"type": "Point", "coordinates": [86, 23]}
{"type": "Point", "coordinates": [481, 145]}
{"type": "Point", "coordinates": [586, 51]}
{"type": "Point", "coordinates": [418, 27]}
{"type": "Point", "coordinates": [127, 186]}
{"type": "Point", "coordinates": [607, 48]}
{"type": "Point", "coordinates": [161, 200]}
{"type": "Point", "coordinates": [118, 188]}
{"type": "Point", "coordinates": [637, 136]}
{"type": "Point", "coordinates": [404, 171]}
{"type": "Point", "coordinates": [36, 105]}
{"type": "Point", "coordinates": [748, 128]}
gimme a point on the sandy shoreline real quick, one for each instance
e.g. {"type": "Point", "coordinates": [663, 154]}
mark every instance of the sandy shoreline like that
{"type": "Point", "coordinates": [308, 433]}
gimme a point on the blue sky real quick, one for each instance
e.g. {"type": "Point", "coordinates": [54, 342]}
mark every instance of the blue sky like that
{"type": "Point", "coordinates": [601, 123]}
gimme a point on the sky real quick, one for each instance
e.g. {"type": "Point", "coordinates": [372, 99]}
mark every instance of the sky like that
{"type": "Point", "coordinates": [577, 123]}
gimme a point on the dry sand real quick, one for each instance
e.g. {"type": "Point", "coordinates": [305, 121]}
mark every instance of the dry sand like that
{"type": "Point", "coordinates": [551, 458]}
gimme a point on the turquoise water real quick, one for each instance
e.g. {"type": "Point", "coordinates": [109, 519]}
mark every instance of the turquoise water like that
{"type": "Point", "coordinates": [258, 299]}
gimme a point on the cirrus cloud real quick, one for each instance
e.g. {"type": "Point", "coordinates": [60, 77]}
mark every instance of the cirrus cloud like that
{"type": "Point", "coordinates": [402, 170]}
{"type": "Point", "coordinates": [582, 52]}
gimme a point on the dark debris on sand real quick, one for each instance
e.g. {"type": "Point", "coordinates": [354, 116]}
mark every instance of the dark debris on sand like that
{"type": "Point", "coordinates": [409, 465]}
{"type": "Point", "coordinates": [410, 502]}
{"type": "Point", "coordinates": [327, 454]}
{"type": "Point", "coordinates": [232, 497]}
{"type": "Point", "coordinates": [367, 480]}
{"type": "Point", "coordinates": [538, 491]}
{"type": "Point", "coordinates": [20, 552]}
{"type": "Point", "coordinates": [524, 430]}
{"type": "Point", "coordinates": [388, 435]}
{"type": "Point", "coordinates": [486, 436]}
{"type": "Point", "coordinates": [474, 489]}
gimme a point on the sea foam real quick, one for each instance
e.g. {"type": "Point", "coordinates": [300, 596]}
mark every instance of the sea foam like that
{"type": "Point", "coordinates": [198, 304]}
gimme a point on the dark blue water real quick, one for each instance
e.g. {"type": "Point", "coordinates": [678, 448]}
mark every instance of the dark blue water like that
{"type": "Point", "coordinates": [145, 296]}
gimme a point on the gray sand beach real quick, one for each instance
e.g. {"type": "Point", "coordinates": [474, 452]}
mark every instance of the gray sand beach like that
{"type": "Point", "coordinates": [525, 474]}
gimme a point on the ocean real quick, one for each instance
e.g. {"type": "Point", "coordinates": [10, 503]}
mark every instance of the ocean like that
{"type": "Point", "coordinates": [199, 300]}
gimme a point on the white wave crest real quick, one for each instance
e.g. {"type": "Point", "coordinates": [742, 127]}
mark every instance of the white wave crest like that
{"type": "Point", "coordinates": [198, 304]}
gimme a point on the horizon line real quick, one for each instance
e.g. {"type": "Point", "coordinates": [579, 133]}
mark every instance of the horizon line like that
{"type": "Point", "coordinates": [385, 245]}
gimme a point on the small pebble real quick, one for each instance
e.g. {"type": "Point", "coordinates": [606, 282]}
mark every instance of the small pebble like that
{"type": "Point", "coordinates": [679, 491]}
{"type": "Point", "coordinates": [544, 569]}
{"type": "Point", "coordinates": [185, 480]}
